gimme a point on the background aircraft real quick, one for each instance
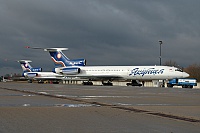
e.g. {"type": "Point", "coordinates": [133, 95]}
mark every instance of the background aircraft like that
{"type": "Point", "coordinates": [37, 74]}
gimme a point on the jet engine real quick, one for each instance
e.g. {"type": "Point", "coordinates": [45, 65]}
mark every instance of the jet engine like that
{"type": "Point", "coordinates": [70, 71]}
{"type": "Point", "coordinates": [30, 75]}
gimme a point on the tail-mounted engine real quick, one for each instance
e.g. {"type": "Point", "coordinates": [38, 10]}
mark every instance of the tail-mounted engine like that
{"type": "Point", "coordinates": [67, 70]}
{"type": "Point", "coordinates": [70, 71]}
{"type": "Point", "coordinates": [30, 75]}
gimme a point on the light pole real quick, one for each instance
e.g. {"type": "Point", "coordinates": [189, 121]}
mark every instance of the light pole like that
{"type": "Point", "coordinates": [160, 52]}
{"type": "Point", "coordinates": [160, 42]}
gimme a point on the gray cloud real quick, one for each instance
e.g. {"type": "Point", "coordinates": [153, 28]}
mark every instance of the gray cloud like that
{"type": "Point", "coordinates": [105, 32]}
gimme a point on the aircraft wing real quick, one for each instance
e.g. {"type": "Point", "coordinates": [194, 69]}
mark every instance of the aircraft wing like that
{"type": "Point", "coordinates": [97, 77]}
{"type": "Point", "coordinates": [59, 78]}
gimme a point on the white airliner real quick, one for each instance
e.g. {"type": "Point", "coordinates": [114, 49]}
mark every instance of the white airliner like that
{"type": "Point", "coordinates": [110, 73]}
{"type": "Point", "coordinates": [37, 74]}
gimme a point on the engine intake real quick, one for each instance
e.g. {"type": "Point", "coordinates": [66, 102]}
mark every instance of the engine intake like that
{"type": "Point", "coordinates": [56, 70]}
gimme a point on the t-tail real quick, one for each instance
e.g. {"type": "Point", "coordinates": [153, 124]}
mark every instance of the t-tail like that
{"type": "Point", "coordinates": [61, 60]}
{"type": "Point", "coordinates": [26, 67]}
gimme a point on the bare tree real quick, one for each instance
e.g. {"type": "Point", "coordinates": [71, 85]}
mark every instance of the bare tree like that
{"type": "Point", "coordinates": [194, 71]}
{"type": "Point", "coordinates": [171, 63]}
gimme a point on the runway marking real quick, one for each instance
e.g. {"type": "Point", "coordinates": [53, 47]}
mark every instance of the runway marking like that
{"type": "Point", "coordinates": [17, 95]}
{"type": "Point", "coordinates": [153, 104]}
{"type": "Point", "coordinates": [28, 95]}
{"type": "Point", "coordinates": [58, 95]}
{"type": "Point", "coordinates": [57, 105]}
{"type": "Point", "coordinates": [88, 98]}
{"type": "Point", "coordinates": [26, 105]}
{"type": "Point", "coordinates": [107, 96]}
{"type": "Point", "coordinates": [42, 92]}
{"type": "Point", "coordinates": [144, 93]}
{"type": "Point", "coordinates": [74, 105]}
{"type": "Point", "coordinates": [123, 104]}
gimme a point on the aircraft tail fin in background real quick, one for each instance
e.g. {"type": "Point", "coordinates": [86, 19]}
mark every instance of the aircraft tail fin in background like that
{"type": "Point", "coordinates": [26, 67]}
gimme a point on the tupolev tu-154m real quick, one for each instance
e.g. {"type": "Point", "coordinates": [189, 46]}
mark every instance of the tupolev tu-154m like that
{"type": "Point", "coordinates": [111, 73]}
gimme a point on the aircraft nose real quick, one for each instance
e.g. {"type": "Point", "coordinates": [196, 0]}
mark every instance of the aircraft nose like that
{"type": "Point", "coordinates": [185, 75]}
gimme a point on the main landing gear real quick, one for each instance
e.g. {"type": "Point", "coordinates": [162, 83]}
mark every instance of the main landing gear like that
{"type": "Point", "coordinates": [87, 83]}
{"type": "Point", "coordinates": [30, 81]}
{"type": "Point", "coordinates": [109, 83]}
{"type": "Point", "coordinates": [134, 83]}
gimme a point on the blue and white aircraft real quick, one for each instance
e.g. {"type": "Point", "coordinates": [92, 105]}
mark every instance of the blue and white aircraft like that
{"type": "Point", "coordinates": [37, 74]}
{"type": "Point", "coordinates": [111, 73]}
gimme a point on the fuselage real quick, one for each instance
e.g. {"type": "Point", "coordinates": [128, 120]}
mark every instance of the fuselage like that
{"type": "Point", "coordinates": [129, 72]}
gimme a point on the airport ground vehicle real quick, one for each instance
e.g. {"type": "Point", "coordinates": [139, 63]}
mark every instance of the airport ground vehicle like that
{"type": "Point", "coordinates": [184, 82]}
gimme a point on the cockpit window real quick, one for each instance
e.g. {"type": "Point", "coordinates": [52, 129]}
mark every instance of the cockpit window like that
{"type": "Point", "coordinates": [178, 69]}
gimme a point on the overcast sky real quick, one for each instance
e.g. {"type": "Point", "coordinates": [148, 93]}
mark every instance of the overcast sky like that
{"type": "Point", "coordinates": [104, 32]}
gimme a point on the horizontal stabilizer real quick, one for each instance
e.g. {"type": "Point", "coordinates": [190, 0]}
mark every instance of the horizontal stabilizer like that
{"type": "Point", "coordinates": [55, 49]}
{"type": "Point", "coordinates": [24, 61]}
{"type": "Point", "coordinates": [33, 47]}
{"type": "Point", "coordinates": [48, 49]}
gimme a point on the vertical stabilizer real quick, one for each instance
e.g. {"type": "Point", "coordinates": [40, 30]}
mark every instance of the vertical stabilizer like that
{"type": "Point", "coordinates": [26, 67]}
{"type": "Point", "coordinates": [61, 60]}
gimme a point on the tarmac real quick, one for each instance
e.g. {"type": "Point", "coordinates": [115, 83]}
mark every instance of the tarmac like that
{"type": "Point", "coordinates": [59, 108]}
